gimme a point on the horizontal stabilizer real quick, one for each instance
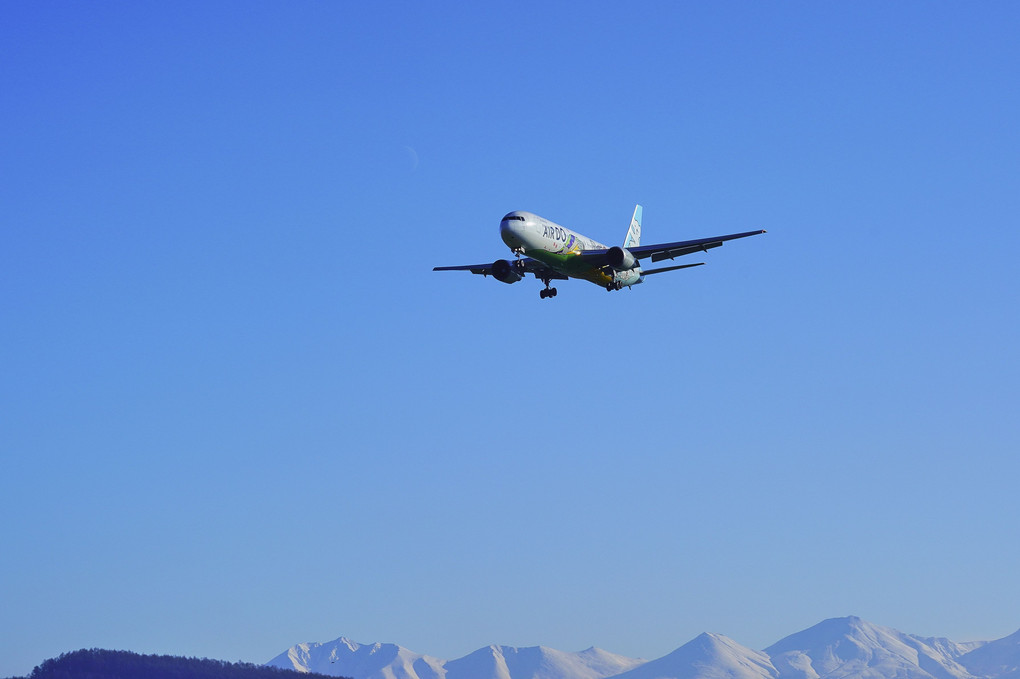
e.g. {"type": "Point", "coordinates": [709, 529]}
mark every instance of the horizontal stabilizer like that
{"type": "Point", "coordinates": [670, 268]}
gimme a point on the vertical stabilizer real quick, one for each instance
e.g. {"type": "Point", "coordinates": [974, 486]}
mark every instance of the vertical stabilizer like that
{"type": "Point", "coordinates": [633, 238]}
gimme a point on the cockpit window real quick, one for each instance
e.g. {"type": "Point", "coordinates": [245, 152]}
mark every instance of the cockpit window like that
{"type": "Point", "coordinates": [513, 218]}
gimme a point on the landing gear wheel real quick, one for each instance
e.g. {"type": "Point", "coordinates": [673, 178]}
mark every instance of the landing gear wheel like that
{"type": "Point", "coordinates": [547, 292]}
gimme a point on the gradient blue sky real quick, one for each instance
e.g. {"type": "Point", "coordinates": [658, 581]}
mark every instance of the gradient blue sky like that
{"type": "Point", "coordinates": [239, 411]}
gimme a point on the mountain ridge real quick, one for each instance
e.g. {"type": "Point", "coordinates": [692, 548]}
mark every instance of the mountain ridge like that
{"type": "Point", "coordinates": [835, 648]}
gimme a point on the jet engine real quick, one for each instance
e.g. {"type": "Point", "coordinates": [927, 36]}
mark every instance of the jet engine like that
{"type": "Point", "coordinates": [504, 271]}
{"type": "Point", "coordinates": [621, 259]}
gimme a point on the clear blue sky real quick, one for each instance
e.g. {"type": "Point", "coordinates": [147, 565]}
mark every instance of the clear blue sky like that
{"type": "Point", "coordinates": [239, 411]}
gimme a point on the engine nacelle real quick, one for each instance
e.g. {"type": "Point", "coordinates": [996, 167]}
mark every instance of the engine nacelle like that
{"type": "Point", "coordinates": [621, 259]}
{"type": "Point", "coordinates": [505, 272]}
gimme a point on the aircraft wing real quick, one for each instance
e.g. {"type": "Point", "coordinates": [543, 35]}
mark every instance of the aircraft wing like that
{"type": "Point", "coordinates": [484, 269]}
{"type": "Point", "coordinates": [663, 251]}
{"type": "Point", "coordinates": [532, 266]}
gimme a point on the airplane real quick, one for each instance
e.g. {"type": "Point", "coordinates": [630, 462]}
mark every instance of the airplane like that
{"type": "Point", "coordinates": [554, 252]}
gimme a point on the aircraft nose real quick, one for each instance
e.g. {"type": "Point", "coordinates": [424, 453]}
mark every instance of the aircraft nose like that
{"type": "Point", "coordinates": [510, 231]}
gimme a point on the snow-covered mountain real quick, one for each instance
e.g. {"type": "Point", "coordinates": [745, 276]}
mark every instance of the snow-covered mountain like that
{"type": "Point", "coordinates": [708, 656]}
{"type": "Point", "coordinates": [999, 659]}
{"type": "Point", "coordinates": [842, 648]}
{"type": "Point", "coordinates": [343, 657]}
{"type": "Point", "coordinates": [537, 662]}
{"type": "Point", "coordinates": [839, 648]}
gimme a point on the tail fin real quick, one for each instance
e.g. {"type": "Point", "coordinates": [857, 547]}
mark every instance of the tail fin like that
{"type": "Point", "coordinates": [633, 238]}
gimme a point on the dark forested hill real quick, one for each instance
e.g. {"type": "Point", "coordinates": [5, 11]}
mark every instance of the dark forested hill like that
{"type": "Point", "coordinates": [99, 664]}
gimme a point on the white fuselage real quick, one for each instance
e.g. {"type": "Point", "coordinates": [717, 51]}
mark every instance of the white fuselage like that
{"type": "Point", "coordinates": [556, 246]}
{"type": "Point", "coordinates": [524, 231]}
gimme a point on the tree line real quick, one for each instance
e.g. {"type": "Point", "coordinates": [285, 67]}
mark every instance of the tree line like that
{"type": "Point", "coordinates": [99, 664]}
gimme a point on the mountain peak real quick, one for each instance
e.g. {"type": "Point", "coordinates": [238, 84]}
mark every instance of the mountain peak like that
{"type": "Point", "coordinates": [350, 645]}
{"type": "Point", "coordinates": [707, 656]}
{"type": "Point", "coordinates": [850, 646]}
{"type": "Point", "coordinates": [714, 637]}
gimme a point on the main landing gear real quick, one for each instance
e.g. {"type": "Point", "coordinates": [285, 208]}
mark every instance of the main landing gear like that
{"type": "Point", "coordinates": [615, 285]}
{"type": "Point", "coordinates": [547, 292]}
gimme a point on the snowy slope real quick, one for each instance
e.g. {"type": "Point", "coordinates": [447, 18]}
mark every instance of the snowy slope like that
{"type": "Point", "coordinates": [537, 662]}
{"type": "Point", "coordinates": [851, 648]}
{"type": "Point", "coordinates": [999, 659]}
{"type": "Point", "coordinates": [708, 656]}
{"type": "Point", "coordinates": [953, 649]}
{"type": "Point", "coordinates": [346, 658]}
